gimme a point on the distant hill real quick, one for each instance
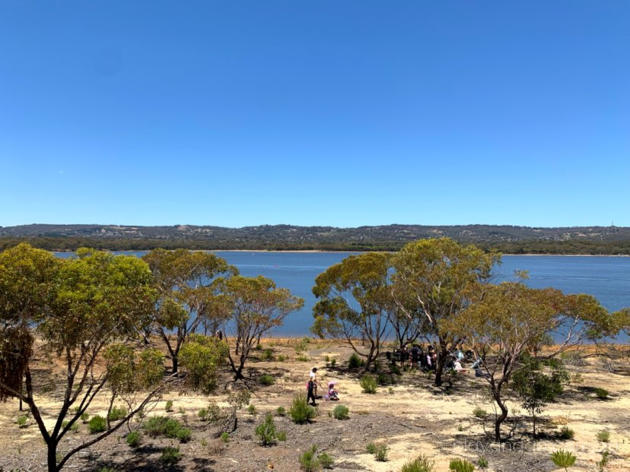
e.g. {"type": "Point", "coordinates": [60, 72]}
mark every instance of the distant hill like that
{"type": "Point", "coordinates": [513, 239]}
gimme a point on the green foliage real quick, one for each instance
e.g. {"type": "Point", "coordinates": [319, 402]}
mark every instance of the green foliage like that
{"type": "Point", "coordinates": [482, 463]}
{"type": "Point", "coordinates": [201, 356]}
{"type": "Point", "coordinates": [85, 417]}
{"type": "Point", "coordinates": [420, 464]}
{"type": "Point", "coordinates": [301, 412]}
{"type": "Point", "coordinates": [309, 461]}
{"type": "Point", "coordinates": [266, 379]}
{"type": "Point", "coordinates": [380, 454]}
{"type": "Point", "coordinates": [282, 436]}
{"type": "Point", "coordinates": [303, 358]}
{"type": "Point", "coordinates": [22, 421]}
{"type": "Point", "coordinates": [370, 448]}
{"type": "Point", "coordinates": [117, 413]}
{"type": "Point", "coordinates": [325, 460]}
{"type": "Point", "coordinates": [97, 424]}
{"type": "Point", "coordinates": [266, 431]}
{"type": "Point", "coordinates": [340, 412]}
{"type": "Point", "coordinates": [601, 393]}
{"type": "Point", "coordinates": [460, 465]}
{"type": "Point", "coordinates": [603, 462]}
{"type": "Point", "coordinates": [302, 345]}
{"type": "Point", "coordinates": [251, 409]}
{"type": "Point", "coordinates": [562, 458]}
{"type": "Point", "coordinates": [225, 437]}
{"type": "Point", "coordinates": [566, 433]}
{"type": "Point", "coordinates": [480, 413]}
{"type": "Point", "coordinates": [333, 362]}
{"type": "Point", "coordinates": [603, 436]}
{"type": "Point", "coordinates": [281, 411]}
{"type": "Point", "coordinates": [168, 406]}
{"type": "Point", "coordinates": [368, 383]}
{"type": "Point", "coordinates": [129, 371]}
{"type": "Point", "coordinates": [355, 362]}
{"type": "Point", "coordinates": [170, 455]}
{"type": "Point", "coordinates": [267, 355]}
{"type": "Point", "coordinates": [165, 426]}
{"type": "Point", "coordinates": [134, 439]}
{"type": "Point", "coordinates": [281, 358]}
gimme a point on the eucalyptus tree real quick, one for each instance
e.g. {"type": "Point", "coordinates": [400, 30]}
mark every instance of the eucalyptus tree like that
{"type": "Point", "coordinates": [185, 281]}
{"type": "Point", "coordinates": [79, 308]}
{"type": "Point", "coordinates": [253, 306]}
{"type": "Point", "coordinates": [435, 280]}
{"type": "Point", "coordinates": [508, 322]}
{"type": "Point", "coordinates": [354, 302]}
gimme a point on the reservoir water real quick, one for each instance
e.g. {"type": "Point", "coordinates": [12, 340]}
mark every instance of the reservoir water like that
{"type": "Point", "coordinates": [606, 278]}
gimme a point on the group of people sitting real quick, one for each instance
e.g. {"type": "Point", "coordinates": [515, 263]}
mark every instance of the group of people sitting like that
{"type": "Point", "coordinates": [426, 359]}
{"type": "Point", "coordinates": [311, 389]}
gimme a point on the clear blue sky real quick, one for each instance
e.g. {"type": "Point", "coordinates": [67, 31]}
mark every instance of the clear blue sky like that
{"type": "Point", "coordinates": [325, 112]}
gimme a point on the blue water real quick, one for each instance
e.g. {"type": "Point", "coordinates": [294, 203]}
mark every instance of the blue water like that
{"type": "Point", "coordinates": [606, 278]}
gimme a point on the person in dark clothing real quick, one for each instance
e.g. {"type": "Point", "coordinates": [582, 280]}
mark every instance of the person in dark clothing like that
{"type": "Point", "coordinates": [311, 388]}
{"type": "Point", "coordinates": [415, 355]}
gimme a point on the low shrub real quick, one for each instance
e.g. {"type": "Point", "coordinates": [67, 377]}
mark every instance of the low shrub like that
{"type": "Point", "coordinates": [251, 409]}
{"type": "Point", "coordinates": [203, 414]}
{"type": "Point", "coordinates": [301, 412]}
{"type": "Point", "coordinates": [75, 427]}
{"type": "Point", "coordinates": [603, 436]}
{"type": "Point", "coordinates": [566, 433]}
{"type": "Point", "coordinates": [170, 455]}
{"type": "Point", "coordinates": [117, 413]}
{"type": "Point", "coordinates": [381, 453]}
{"type": "Point", "coordinates": [303, 358]}
{"type": "Point", "coordinates": [601, 393]}
{"type": "Point", "coordinates": [183, 434]}
{"type": "Point", "coordinates": [325, 460]}
{"type": "Point", "coordinates": [482, 463]}
{"type": "Point", "coordinates": [420, 464]}
{"type": "Point", "coordinates": [267, 355]}
{"type": "Point", "coordinates": [281, 358]}
{"type": "Point", "coordinates": [563, 458]}
{"type": "Point", "coordinates": [370, 448]}
{"type": "Point", "coordinates": [97, 424]}
{"type": "Point", "coordinates": [480, 413]}
{"type": "Point", "coordinates": [333, 362]}
{"type": "Point", "coordinates": [169, 406]}
{"type": "Point", "coordinates": [340, 412]}
{"type": "Point", "coordinates": [368, 384]}
{"type": "Point", "coordinates": [460, 465]}
{"type": "Point", "coordinates": [225, 437]}
{"type": "Point", "coordinates": [22, 421]}
{"type": "Point", "coordinates": [85, 417]}
{"type": "Point", "coordinates": [266, 431]}
{"type": "Point", "coordinates": [266, 379]}
{"type": "Point", "coordinates": [165, 426]}
{"type": "Point", "coordinates": [355, 362]}
{"type": "Point", "coordinates": [282, 436]}
{"type": "Point", "coordinates": [309, 461]}
{"type": "Point", "coordinates": [281, 411]}
{"type": "Point", "coordinates": [133, 439]}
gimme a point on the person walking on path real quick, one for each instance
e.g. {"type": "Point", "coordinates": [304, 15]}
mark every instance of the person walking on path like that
{"type": "Point", "coordinates": [312, 386]}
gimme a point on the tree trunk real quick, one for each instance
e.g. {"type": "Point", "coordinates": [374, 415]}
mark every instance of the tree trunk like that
{"type": "Point", "coordinates": [175, 363]}
{"type": "Point", "coordinates": [52, 456]}
{"type": "Point", "coordinates": [501, 418]}
{"type": "Point", "coordinates": [439, 368]}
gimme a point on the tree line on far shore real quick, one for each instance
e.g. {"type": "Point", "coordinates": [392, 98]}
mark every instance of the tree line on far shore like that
{"type": "Point", "coordinates": [104, 309]}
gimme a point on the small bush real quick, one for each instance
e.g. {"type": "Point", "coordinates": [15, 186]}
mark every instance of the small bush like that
{"type": "Point", "coordinates": [302, 358]}
{"type": "Point", "coordinates": [381, 453]}
{"type": "Point", "coordinates": [117, 413]}
{"type": "Point", "coordinates": [325, 460]}
{"type": "Point", "coordinates": [301, 412]}
{"type": "Point", "coordinates": [183, 434]}
{"type": "Point", "coordinates": [308, 460]}
{"type": "Point", "coordinates": [601, 393]}
{"type": "Point", "coordinates": [368, 384]}
{"type": "Point", "coordinates": [603, 436]}
{"type": "Point", "coordinates": [341, 412]}
{"type": "Point", "coordinates": [251, 409]}
{"type": "Point", "coordinates": [563, 458]}
{"type": "Point", "coordinates": [282, 436]}
{"type": "Point", "coordinates": [281, 411]}
{"type": "Point", "coordinates": [460, 465]}
{"type": "Point", "coordinates": [333, 362]}
{"type": "Point", "coordinates": [281, 358]}
{"type": "Point", "coordinates": [482, 462]}
{"type": "Point", "coordinates": [267, 355]}
{"type": "Point", "coordinates": [266, 431]}
{"type": "Point", "coordinates": [203, 414]}
{"type": "Point", "coordinates": [22, 421]}
{"type": "Point", "coordinates": [266, 379]}
{"type": "Point", "coordinates": [225, 437]}
{"type": "Point", "coordinates": [133, 439]}
{"type": "Point", "coordinates": [355, 362]}
{"type": "Point", "coordinates": [480, 413]}
{"type": "Point", "coordinates": [371, 448]}
{"type": "Point", "coordinates": [566, 433]}
{"type": "Point", "coordinates": [170, 455]}
{"type": "Point", "coordinates": [97, 424]}
{"type": "Point", "coordinates": [75, 427]}
{"type": "Point", "coordinates": [85, 417]}
{"type": "Point", "coordinates": [169, 406]}
{"type": "Point", "coordinates": [421, 464]}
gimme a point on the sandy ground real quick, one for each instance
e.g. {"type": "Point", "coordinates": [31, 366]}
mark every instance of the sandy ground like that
{"type": "Point", "coordinates": [411, 417]}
